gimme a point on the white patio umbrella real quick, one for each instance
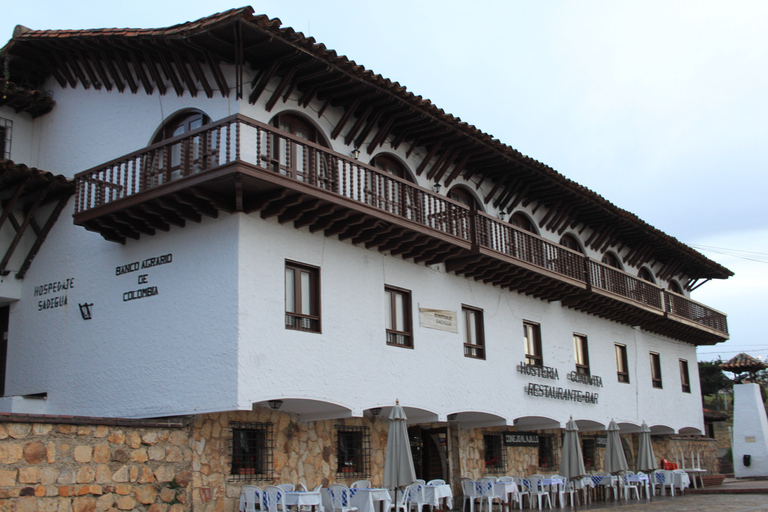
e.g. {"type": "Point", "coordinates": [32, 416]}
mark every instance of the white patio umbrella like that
{"type": "Point", "coordinates": [615, 460]}
{"type": "Point", "coordinates": [398, 462]}
{"type": "Point", "coordinates": [646, 459]}
{"type": "Point", "coordinates": [572, 462]}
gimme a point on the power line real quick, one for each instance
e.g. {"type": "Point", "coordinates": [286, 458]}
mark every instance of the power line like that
{"type": "Point", "coordinates": [759, 257]}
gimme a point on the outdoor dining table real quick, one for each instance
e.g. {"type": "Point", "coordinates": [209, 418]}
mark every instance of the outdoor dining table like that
{"type": "Point", "coordinates": [434, 493]}
{"type": "Point", "coordinates": [298, 499]}
{"type": "Point", "coordinates": [606, 481]}
{"type": "Point", "coordinates": [364, 499]}
{"type": "Point", "coordinates": [503, 491]}
{"type": "Point", "coordinates": [642, 480]}
{"type": "Point", "coordinates": [693, 473]}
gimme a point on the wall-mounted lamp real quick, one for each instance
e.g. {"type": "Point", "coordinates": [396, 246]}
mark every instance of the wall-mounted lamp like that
{"type": "Point", "coordinates": [356, 153]}
{"type": "Point", "coordinates": [85, 310]}
{"type": "Point", "coordinates": [436, 187]}
{"type": "Point", "coordinates": [452, 417]}
{"type": "Point", "coordinates": [275, 404]}
{"type": "Point", "coordinates": [502, 214]}
{"type": "Point", "coordinates": [375, 411]}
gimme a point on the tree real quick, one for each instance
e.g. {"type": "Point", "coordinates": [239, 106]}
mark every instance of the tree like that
{"type": "Point", "coordinates": [712, 378]}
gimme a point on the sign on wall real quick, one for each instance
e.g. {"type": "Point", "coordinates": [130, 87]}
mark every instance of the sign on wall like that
{"type": "Point", "coordinates": [143, 288]}
{"type": "Point", "coordinates": [440, 319]}
{"type": "Point", "coordinates": [518, 439]}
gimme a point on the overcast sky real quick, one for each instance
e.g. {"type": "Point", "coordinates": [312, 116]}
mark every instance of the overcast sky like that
{"type": "Point", "coordinates": [661, 107]}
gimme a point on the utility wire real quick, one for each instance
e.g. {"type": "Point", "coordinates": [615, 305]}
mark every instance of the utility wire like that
{"type": "Point", "coordinates": [760, 257]}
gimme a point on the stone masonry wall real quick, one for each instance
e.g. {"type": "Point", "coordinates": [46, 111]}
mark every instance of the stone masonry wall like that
{"type": "Point", "coordinates": [55, 464]}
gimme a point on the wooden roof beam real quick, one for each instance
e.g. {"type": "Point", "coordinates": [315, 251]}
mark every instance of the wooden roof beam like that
{"type": "Point", "coordinates": [164, 214]}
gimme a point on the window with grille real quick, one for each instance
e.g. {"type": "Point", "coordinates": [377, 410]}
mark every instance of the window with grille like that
{"type": "Point", "coordinates": [532, 338]}
{"type": "Point", "coordinates": [622, 368]}
{"type": "Point", "coordinates": [5, 138]}
{"type": "Point", "coordinates": [656, 370]}
{"type": "Point", "coordinates": [474, 338]}
{"type": "Point", "coordinates": [581, 354]}
{"type": "Point", "coordinates": [588, 450]}
{"type": "Point", "coordinates": [398, 317]}
{"type": "Point", "coordinates": [353, 451]}
{"type": "Point", "coordinates": [495, 460]}
{"type": "Point", "coordinates": [684, 379]}
{"type": "Point", "coordinates": [547, 452]}
{"type": "Point", "coordinates": [302, 297]}
{"type": "Point", "coordinates": [252, 445]}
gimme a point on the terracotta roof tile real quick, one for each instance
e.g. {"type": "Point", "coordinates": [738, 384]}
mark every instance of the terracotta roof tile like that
{"type": "Point", "coordinates": [743, 363]}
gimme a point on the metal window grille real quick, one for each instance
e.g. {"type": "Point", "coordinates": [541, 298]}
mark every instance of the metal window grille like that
{"type": "Point", "coordinates": [252, 447]}
{"type": "Point", "coordinates": [495, 454]}
{"type": "Point", "coordinates": [547, 452]}
{"type": "Point", "coordinates": [353, 451]}
{"type": "Point", "coordinates": [5, 138]}
{"type": "Point", "coordinates": [588, 449]}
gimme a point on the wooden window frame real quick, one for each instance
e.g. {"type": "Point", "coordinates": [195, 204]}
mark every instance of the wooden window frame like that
{"type": "Point", "coordinates": [685, 377]}
{"type": "Point", "coordinates": [6, 128]}
{"type": "Point", "coordinates": [580, 340]}
{"type": "Point", "coordinates": [474, 343]}
{"type": "Point", "coordinates": [494, 454]}
{"type": "Point", "coordinates": [622, 364]}
{"type": "Point", "coordinates": [254, 461]}
{"type": "Point", "coordinates": [358, 464]}
{"type": "Point", "coordinates": [395, 337]}
{"type": "Point", "coordinates": [533, 357]}
{"type": "Point", "coordinates": [656, 370]}
{"type": "Point", "coordinates": [303, 321]}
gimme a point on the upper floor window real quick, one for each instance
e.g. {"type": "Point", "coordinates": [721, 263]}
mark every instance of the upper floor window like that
{"type": "Point", "coordinates": [612, 260]}
{"type": "Point", "coordinates": [474, 342]}
{"type": "Point", "coordinates": [353, 451]}
{"type": "Point", "coordinates": [398, 317]}
{"type": "Point", "coordinates": [522, 221]}
{"type": "Point", "coordinates": [5, 138]}
{"type": "Point", "coordinates": [674, 286]}
{"type": "Point", "coordinates": [622, 367]}
{"type": "Point", "coordinates": [684, 379]}
{"type": "Point", "coordinates": [532, 339]}
{"type": "Point", "coordinates": [297, 160]}
{"type": "Point", "coordinates": [570, 242]}
{"type": "Point", "coordinates": [302, 297]}
{"type": "Point", "coordinates": [495, 459]}
{"type": "Point", "coordinates": [190, 155]}
{"type": "Point", "coordinates": [581, 353]}
{"type": "Point", "coordinates": [656, 370]}
{"type": "Point", "coordinates": [646, 275]}
{"type": "Point", "coordinates": [391, 165]}
{"type": "Point", "coordinates": [464, 196]}
{"type": "Point", "coordinates": [251, 450]}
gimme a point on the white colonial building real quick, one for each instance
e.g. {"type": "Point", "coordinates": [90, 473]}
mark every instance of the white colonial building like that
{"type": "Point", "coordinates": [225, 217]}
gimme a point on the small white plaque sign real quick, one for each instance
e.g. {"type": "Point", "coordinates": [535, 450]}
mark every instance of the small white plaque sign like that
{"type": "Point", "coordinates": [750, 439]}
{"type": "Point", "coordinates": [440, 319]}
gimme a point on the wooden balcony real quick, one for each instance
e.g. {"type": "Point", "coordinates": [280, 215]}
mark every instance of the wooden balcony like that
{"type": "Point", "coordinates": [240, 165]}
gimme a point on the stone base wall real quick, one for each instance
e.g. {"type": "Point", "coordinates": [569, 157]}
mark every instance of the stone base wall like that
{"type": "Point", "coordinates": [90, 465]}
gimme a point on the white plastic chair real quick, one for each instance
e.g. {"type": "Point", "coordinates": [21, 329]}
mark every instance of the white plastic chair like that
{"type": "Point", "coordinates": [340, 498]}
{"type": "Point", "coordinates": [416, 496]}
{"type": "Point", "coordinates": [629, 487]}
{"type": "Point", "coordinates": [250, 496]}
{"type": "Point", "coordinates": [538, 490]}
{"type": "Point", "coordinates": [523, 490]}
{"type": "Point", "coordinates": [487, 493]}
{"type": "Point", "coordinates": [400, 504]}
{"type": "Point", "coordinates": [362, 484]}
{"type": "Point", "coordinates": [275, 499]}
{"type": "Point", "coordinates": [436, 481]}
{"type": "Point", "coordinates": [287, 487]}
{"type": "Point", "coordinates": [664, 478]}
{"type": "Point", "coordinates": [470, 493]}
{"type": "Point", "coordinates": [680, 480]}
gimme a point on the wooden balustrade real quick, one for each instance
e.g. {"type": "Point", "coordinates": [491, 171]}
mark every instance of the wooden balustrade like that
{"type": "Point", "coordinates": [240, 140]}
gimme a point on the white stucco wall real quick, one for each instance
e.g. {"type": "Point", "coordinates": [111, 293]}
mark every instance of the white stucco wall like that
{"type": "Point", "coordinates": [750, 431]}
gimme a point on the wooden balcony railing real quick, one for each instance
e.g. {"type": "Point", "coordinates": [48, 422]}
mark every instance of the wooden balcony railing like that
{"type": "Point", "coordinates": [244, 142]}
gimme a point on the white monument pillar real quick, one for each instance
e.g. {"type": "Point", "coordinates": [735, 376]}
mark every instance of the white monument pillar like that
{"type": "Point", "coordinates": [750, 432]}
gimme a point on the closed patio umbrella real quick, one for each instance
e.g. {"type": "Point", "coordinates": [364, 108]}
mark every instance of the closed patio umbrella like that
{"type": "Point", "coordinates": [572, 462]}
{"type": "Point", "coordinates": [646, 460]}
{"type": "Point", "coordinates": [615, 460]}
{"type": "Point", "coordinates": [398, 462]}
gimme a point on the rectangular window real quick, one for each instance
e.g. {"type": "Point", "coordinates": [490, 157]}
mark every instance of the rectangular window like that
{"type": "Point", "coordinates": [588, 449]}
{"type": "Point", "coordinates": [474, 342]}
{"type": "Point", "coordinates": [656, 370]}
{"type": "Point", "coordinates": [495, 460]}
{"type": "Point", "coordinates": [547, 452]}
{"type": "Point", "coordinates": [684, 380]}
{"type": "Point", "coordinates": [353, 451]}
{"type": "Point", "coordinates": [398, 317]}
{"type": "Point", "coordinates": [532, 337]}
{"type": "Point", "coordinates": [5, 138]}
{"type": "Point", "coordinates": [251, 451]}
{"type": "Point", "coordinates": [581, 353]}
{"type": "Point", "coordinates": [622, 368]}
{"type": "Point", "coordinates": [302, 297]}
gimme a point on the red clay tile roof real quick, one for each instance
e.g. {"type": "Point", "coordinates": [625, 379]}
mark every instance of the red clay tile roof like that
{"type": "Point", "coordinates": [20, 99]}
{"type": "Point", "coordinates": [696, 264]}
{"type": "Point", "coordinates": [743, 363]}
{"type": "Point", "coordinates": [11, 174]}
